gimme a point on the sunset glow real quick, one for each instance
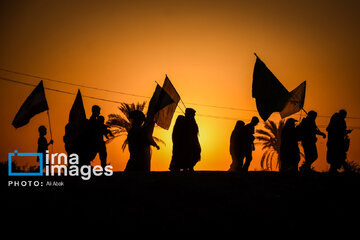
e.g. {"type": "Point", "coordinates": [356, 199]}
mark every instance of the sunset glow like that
{"type": "Point", "coordinates": [206, 49]}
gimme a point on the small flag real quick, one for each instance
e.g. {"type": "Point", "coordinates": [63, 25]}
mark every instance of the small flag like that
{"type": "Point", "coordinates": [163, 104]}
{"type": "Point", "coordinates": [164, 116]}
{"type": "Point", "coordinates": [34, 104]}
{"type": "Point", "coordinates": [295, 102]}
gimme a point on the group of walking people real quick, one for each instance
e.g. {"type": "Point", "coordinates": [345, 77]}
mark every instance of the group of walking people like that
{"type": "Point", "coordinates": [306, 132]}
{"type": "Point", "coordinates": [242, 144]}
{"type": "Point", "coordinates": [187, 150]}
{"type": "Point", "coordinates": [186, 146]}
{"type": "Point", "coordinates": [85, 137]}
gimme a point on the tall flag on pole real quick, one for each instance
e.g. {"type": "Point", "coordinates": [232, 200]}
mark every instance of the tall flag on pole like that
{"type": "Point", "coordinates": [163, 104]}
{"type": "Point", "coordinates": [271, 96]}
{"type": "Point", "coordinates": [34, 104]}
{"type": "Point", "coordinates": [295, 102]}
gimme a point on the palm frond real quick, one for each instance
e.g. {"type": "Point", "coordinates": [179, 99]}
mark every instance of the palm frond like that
{"type": "Point", "coordinates": [265, 133]}
{"type": "Point", "coordinates": [263, 159]}
{"type": "Point", "coordinates": [269, 127]}
{"type": "Point", "coordinates": [125, 143]}
{"type": "Point", "coordinates": [270, 138]}
{"type": "Point", "coordinates": [270, 159]}
{"type": "Point", "coordinates": [281, 125]}
{"type": "Point", "coordinates": [126, 108]}
{"type": "Point", "coordinates": [273, 128]}
{"type": "Point", "coordinates": [120, 123]}
{"type": "Point", "coordinates": [269, 146]}
{"type": "Point", "coordinates": [115, 135]}
{"type": "Point", "coordinates": [262, 138]}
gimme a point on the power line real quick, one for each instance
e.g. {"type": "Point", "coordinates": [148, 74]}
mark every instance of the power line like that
{"type": "Point", "coordinates": [96, 98]}
{"type": "Point", "coordinates": [135, 95]}
{"type": "Point", "coordinates": [222, 107]}
{"type": "Point", "coordinates": [129, 94]}
{"type": "Point", "coordinates": [73, 84]}
{"type": "Point", "coordinates": [118, 102]}
{"type": "Point", "coordinates": [102, 99]}
{"type": "Point", "coordinates": [118, 92]}
{"type": "Point", "coordinates": [60, 91]}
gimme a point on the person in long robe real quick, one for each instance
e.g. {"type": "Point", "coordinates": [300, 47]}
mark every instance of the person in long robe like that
{"type": "Point", "coordinates": [237, 147]}
{"type": "Point", "coordinates": [338, 142]}
{"type": "Point", "coordinates": [186, 145]}
{"type": "Point", "coordinates": [249, 138]}
{"type": "Point", "coordinates": [289, 148]}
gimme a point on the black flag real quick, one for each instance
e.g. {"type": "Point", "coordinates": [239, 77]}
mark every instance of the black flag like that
{"type": "Point", "coordinates": [34, 104]}
{"type": "Point", "coordinates": [271, 96]}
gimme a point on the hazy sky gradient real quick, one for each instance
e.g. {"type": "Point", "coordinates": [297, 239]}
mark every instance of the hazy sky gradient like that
{"type": "Point", "coordinates": [205, 47]}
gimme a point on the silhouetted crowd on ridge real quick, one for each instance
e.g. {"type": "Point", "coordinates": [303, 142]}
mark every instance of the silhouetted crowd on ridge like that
{"type": "Point", "coordinates": [305, 132]}
{"type": "Point", "coordinates": [186, 146]}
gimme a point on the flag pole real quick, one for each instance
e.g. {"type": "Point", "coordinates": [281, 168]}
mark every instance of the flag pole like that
{"type": "Point", "coordinates": [183, 103]}
{"type": "Point", "coordinates": [49, 124]}
{"type": "Point", "coordinates": [52, 145]}
{"type": "Point", "coordinates": [180, 108]}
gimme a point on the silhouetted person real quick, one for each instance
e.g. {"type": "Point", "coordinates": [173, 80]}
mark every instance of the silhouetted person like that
{"type": "Point", "coordinates": [186, 145]}
{"type": "Point", "coordinates": [249, 138]}
{"type": "Point", "coordinates": [95, 109]}
{"type": "Point", "coordinates": [237, 146]}
{"type": "Point", "coordinates": [139, 141]}
{"type": "Point", "coordinates": [102, 131]}
{"type": "Point", "coordinates": [43, 144]}
{"type": "Point", "coordinates": [90, 139]}
{"type": "Point", "coordinates": [338, 142]}
{"type": "Point", "coordinates": [308, 131]}
{"type": "Point", "coordinates": [289, 148]}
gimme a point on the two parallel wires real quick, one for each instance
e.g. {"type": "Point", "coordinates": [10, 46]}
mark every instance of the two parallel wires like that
{"type": "Point", "coordinates": [127, 94]}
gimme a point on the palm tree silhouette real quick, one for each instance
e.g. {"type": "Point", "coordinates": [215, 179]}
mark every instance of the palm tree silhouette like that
{"type": "Point", "coordinates": [120, 123]}
{"type": "Point", "coordinates": [270, 138]}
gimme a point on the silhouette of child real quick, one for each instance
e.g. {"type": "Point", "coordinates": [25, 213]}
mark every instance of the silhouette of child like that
{"type": "Point", "coordinates": [42, 142]}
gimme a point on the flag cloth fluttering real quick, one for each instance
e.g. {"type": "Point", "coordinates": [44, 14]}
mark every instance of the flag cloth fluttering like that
{"type": "Point", "coordinates": [34, 104]}
{"type": "Point", "coordinates": [295, 102]}
{"type": "Point", "coordinates": [163, 104]}
{"type": "Point", "coordinates": [271, 96]}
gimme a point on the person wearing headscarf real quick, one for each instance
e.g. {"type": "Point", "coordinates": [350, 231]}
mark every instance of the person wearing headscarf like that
{"type": "Point", "coordinates": [186, 145]}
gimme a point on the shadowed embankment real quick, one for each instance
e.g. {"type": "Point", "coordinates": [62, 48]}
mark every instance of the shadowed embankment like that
{"type": "Point", "coordinates": [199, 201]}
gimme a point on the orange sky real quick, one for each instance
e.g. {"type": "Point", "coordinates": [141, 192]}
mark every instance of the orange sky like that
{"type": "Point", "coordinates": [205, 47]}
